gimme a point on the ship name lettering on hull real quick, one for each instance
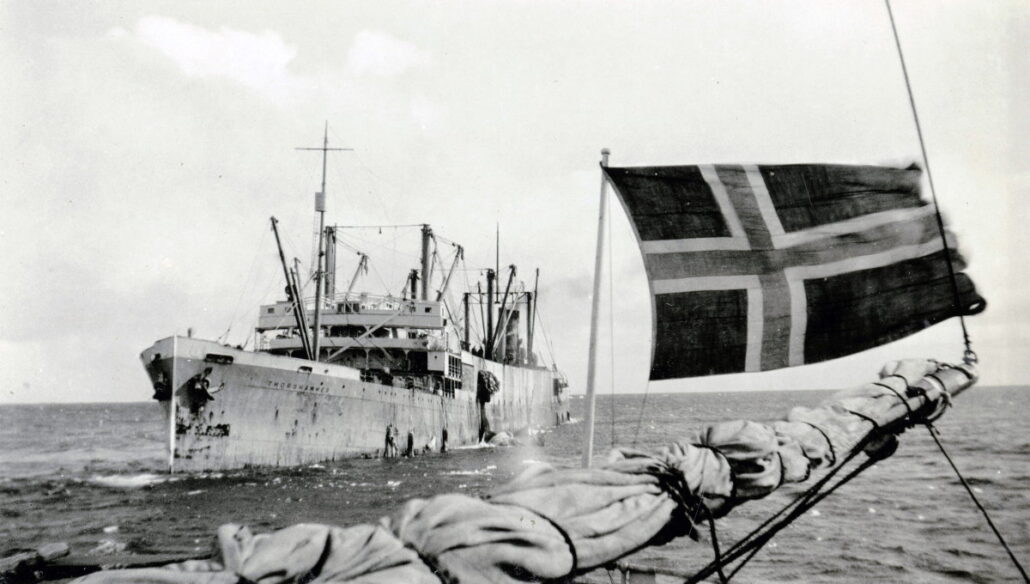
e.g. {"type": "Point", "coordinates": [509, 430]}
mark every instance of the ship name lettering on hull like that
{"type": "Point", "coordinates": [298, 387]}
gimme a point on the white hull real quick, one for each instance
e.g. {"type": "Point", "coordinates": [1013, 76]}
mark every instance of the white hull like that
{"type": "Point", "coordinates": [262, 409]}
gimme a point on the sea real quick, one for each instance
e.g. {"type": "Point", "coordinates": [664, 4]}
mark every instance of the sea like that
{"type": "Point", "coordinates": [93, 476]}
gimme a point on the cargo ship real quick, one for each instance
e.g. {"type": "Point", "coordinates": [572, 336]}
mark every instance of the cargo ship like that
{"type": "Point", "coordinates": [341, 374]}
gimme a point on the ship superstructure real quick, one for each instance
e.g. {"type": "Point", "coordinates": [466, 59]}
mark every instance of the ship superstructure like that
{"type": "Point", "coordinates": [351, 373]}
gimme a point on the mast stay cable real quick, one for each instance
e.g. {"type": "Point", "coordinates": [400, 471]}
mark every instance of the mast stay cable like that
{"type": "Point", "coordinates": [934, 433]}
{"type": "Point", "coordinates": [758, 537]}
{"type": "Point", "coordinates": [547, 338]}
{"type": "Point", "coordinates": [248, 286]}
{"type": "Point", "coordinates": [970, 355]}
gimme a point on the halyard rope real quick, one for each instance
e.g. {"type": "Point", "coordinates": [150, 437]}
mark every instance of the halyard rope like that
{"type": "Point", "coordinates": [969, 354]}
{"type": "Point", "coordinates": [933, 434]}
{"type": "Point", "coordinates": [754, 541]}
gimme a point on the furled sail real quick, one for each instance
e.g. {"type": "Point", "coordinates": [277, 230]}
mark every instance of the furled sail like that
{"type": "Point", "coordinates": [754, 267]}
{"type": "Point", "coordinates": [552, 524]}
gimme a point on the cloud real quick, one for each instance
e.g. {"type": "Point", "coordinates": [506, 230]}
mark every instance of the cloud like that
{"type": "Point", "coordinates": [257, 61]}
{"type": "Point", "coordinates": [425, 113]}
{"type": "Point", "coordinates": [382, 55]}
{"type": "Point", "coordinates": [261, 61]}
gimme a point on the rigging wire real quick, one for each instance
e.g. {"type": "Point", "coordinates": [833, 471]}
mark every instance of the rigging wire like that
{"type": "Point", "coordinates": [447, 295]}
{"type": "Point", "coordinates": [381, 180]}
{"type": "Point", "coordinates": [380, 278]}
{"type": "Point", "coordinates": [754, 541]}
{"type": "Point", "coordinates": [749, 545]}
{"type": "Point", "coordinates": [248, 285]}
{"type": "Point", "coordinates": [347, 245]}
{"type": "Point", "coordinates": [390, 226]}
{"type": "Point", "coordinates": [388, 251]}
{"type": "Point", "coordinates": [970, 355]}
{"type": "Point", "coordinates": [468, 289]}
{"type": "Point", "coordinates": [351, 180]}
{"type": "Point", "coordinates": [547, 338]}
{"type": "Point", "coordinates": [392, 247]}
{"type": "Point", "coordinates": [643, 407]}
{"type": "Point", "coordinates": [934, 433]}
{"type": "Point", "coordinates": [450, 242]}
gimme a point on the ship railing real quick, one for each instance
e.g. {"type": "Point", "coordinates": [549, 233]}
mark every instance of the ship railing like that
{"type": "Point", "coordinates": [361, 302]}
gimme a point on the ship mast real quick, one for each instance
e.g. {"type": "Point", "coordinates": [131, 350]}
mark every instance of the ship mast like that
{"type": "Point", "coordinates": [427, 234]}
{"type": "Point", "coordinates": [320, 259]}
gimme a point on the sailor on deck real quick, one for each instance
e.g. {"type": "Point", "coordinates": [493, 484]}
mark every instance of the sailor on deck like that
{"type": "Point", "coordinates": [390, 450]}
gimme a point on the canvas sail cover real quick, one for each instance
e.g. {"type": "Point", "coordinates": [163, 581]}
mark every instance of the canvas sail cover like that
{"type": "Point", "coordinates": [759, 267]}
{"type": "Point", "coordinates": [553, 525]}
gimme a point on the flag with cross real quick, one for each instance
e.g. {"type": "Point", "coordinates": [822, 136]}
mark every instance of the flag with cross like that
{"type": "Point", "coordinates": [758, 267]}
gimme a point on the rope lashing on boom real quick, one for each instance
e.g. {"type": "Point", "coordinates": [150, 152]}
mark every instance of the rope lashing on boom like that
{"type": "Point", "coordinates": [555, 524]}
{"type": "Point", "coordinates": [879, 444]}
{"type": "Point", "coordinates": [754, 541]}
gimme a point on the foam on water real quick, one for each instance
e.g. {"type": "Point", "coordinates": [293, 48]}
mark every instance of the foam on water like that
{"type": "Point", "coordinates": [919, 532]}
{"type": "Point", "coordinates": [134, 481]}
{"type": "Point", "coordinates": [478, 446]}
{"type": "Point", "coordinates": [471, 472]}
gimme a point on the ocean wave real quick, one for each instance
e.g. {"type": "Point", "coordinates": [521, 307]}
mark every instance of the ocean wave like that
{"type": "Point", "coordinates": [475, 472]}
{"type": "Point", "coordinates": [108, 546]}
{"type": "Point", "coordinates": [923, 518]}
{"type": "Point", "coordinates": [134, 481]}
{"type": "Point", "coordinates": [478, 446]}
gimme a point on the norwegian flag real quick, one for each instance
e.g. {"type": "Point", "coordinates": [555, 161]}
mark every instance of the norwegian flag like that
{"type": "Point", "coordinates": [754, 267]}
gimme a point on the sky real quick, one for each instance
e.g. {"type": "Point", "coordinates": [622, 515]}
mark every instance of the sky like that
{"type": "Point", "coordinates": [144, 146]}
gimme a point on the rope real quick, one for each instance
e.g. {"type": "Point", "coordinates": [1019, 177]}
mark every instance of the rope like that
{"type": "Point", "coordinates": [754, 541]}
{"type": "Point", "coordinates": [934, 434]}
{"type": "Point", "coordinates": [547, 338]}
{"type": "Point", "coordinates": [640, 417]}
{"type": "Point", "coordinates": [970, 355]}
{"type": "Point", "coordinates": [248, 286]}
{"type": "Point", "coordinates": [378, 226]}
{"type": "Point", "coordinates": [369, 189]}
{"type": "Point", "coordinates": [479, 333]}
{"type": "Point", "coordinates": [800, 510]}
{"type": "Point", "coordinates": [715, 546]}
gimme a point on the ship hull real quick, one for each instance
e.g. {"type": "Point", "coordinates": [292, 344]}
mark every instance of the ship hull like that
{"type": "Point", "coordinates": [229, 408]}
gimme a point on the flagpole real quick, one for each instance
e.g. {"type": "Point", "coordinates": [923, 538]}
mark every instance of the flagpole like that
{"type": "Point", "coordinates": [588, 447]}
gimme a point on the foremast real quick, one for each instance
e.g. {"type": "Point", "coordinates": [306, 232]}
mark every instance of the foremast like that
{"type": "Point", "coordinates": [320, 258]}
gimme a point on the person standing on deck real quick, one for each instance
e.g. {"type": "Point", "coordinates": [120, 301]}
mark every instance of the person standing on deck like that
{"type": "Point", "coordinates": [390, 450]}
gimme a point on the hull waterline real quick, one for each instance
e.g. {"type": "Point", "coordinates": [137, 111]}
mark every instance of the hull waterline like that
{"type": "Point", "coordinates": [228, 408]}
